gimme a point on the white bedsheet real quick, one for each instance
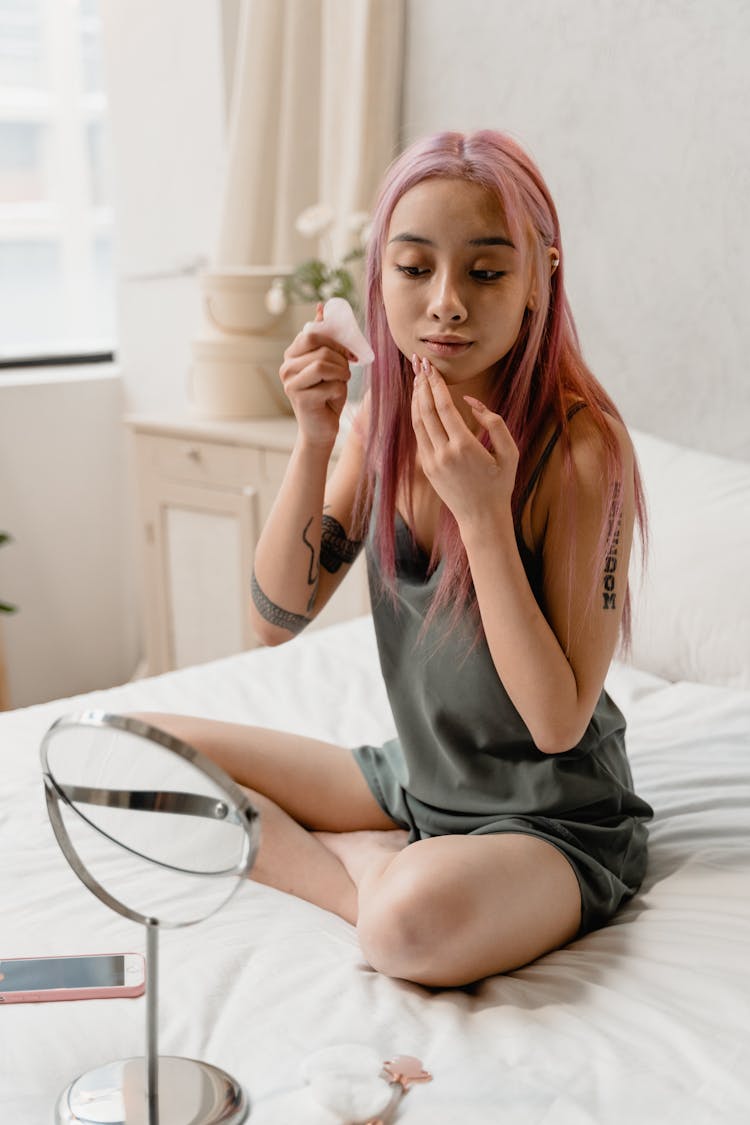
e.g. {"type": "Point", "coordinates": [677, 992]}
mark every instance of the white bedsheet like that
{"type": "Point", "coordinates": [645, 1021]}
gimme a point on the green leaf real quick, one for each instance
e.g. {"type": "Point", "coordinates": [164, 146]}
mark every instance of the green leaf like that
{"type": "Point", "coordinates": [342, 283]}
{"type": "Point", "coordinates": [5, 607]}
{"type": "Point", "coordinates": [313, 281]}
{"type": "Point", "coordinates": [311, 272]}
{"type": "Point", "coordinates": [306, 282]}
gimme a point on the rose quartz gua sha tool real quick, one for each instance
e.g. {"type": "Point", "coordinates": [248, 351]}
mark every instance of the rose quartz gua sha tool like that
{"type": "Point", "coordinates": [400, 1072]}
{"type": "Point", "coordinates": [345, 1087]}
{"type": "Point", "coordinates": [340, 321]}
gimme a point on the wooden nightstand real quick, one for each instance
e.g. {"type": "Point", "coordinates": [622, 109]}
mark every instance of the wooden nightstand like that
{"type": "Point", "coordinates": [205, 489]}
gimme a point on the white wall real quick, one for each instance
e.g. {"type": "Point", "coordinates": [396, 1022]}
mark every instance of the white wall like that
{"type": "Point", "coordinates": [637, 114]}
{"type": "Point", "coordinates": [166, 85]}
{"type": "Point", "coordinates": [66, 492]}
{"type": "Point", "coordinates": [639, 117]}
{"type": "Point", "coordinates": [63, 495]}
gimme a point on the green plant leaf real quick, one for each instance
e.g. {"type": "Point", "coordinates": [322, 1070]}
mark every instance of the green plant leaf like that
{"type": "Point", "coordinates": [313, 280]}
{"type": "Point", "coordinates": [5, 607]}
{"type": "Point", "coordinates": [307, 281]}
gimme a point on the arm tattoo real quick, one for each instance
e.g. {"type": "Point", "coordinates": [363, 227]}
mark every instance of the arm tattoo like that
{"type": "Point", "coordinates": [335, 548]}
{"type": "Point", "coordinates": [313, 571]}
{"type": "Point", "coordinates": [610, 562]}
{"type": "Point", "coordinates": [292, 622]}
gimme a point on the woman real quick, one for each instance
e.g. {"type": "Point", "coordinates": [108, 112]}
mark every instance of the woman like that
{"type": "Point", "coordinates": [496, 486]}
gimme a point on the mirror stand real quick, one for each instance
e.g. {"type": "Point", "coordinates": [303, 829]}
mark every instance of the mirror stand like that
{"type": "Point", "coordinates": [153, 1090]}
{"type": "Point", "coordinates": [148, 813]}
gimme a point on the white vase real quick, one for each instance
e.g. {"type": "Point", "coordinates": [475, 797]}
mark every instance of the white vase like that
{"type": "Point", "coordinates": [235, 363]}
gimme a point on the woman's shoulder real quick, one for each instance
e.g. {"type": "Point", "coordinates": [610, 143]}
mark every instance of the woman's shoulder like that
{"type": "Point", "coordinates": [591, 436]}
{"type": "Point", "coordinates": [598, 440]}
{"type": "Point", "coordinates": [599, 450]}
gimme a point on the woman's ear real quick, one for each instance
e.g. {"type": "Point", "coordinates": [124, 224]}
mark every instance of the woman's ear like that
{"type": "Point", "coordinates": [554, 261]}
{"type": "Point", "coordinates": [531, 299]}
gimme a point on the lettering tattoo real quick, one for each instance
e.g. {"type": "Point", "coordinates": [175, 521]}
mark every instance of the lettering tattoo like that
{"type": "Point", "coordinates": [610, 562]}
{"type": "Point", "coordinates": [292, 622]}
{"type": "Point", "coordinates": [335, 548]}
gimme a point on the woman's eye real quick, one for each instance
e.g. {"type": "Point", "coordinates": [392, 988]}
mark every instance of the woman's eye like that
{"type": "Point", "coordinates": [412, 271]}
{"type": "Point", "coordinates": [477, 275]}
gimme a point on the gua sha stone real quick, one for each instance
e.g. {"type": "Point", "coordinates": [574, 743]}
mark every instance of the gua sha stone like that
{"type": "Point", "coordinates": [345, 1084]}
{"type": "Point", "coordinates": [341, 323]}
{"type": "Point", "coordinates": [349, 1080]}
{"type": "Point", "coordinates": [406, 1069]}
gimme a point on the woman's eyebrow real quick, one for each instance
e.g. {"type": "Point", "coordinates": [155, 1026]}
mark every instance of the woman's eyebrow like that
{"type": "Point", "coordinates": [492, 240]}
{"type": "Point", "coordinates": [489, 240]}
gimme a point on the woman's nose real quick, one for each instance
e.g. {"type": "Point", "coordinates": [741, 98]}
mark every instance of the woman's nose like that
{"type": "Point", "coordinates": [445, 301]}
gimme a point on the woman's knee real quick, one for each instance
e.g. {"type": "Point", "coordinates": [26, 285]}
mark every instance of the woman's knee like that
{"type": "Point", "coordinates": [400, 924]}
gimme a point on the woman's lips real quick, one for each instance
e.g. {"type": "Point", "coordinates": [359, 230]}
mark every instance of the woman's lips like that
{"type": "Point", "coordinates": [446, 347]}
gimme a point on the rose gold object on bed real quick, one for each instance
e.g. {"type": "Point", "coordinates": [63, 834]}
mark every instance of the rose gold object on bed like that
{"type": "Point", "coordinates": [401, 1071]}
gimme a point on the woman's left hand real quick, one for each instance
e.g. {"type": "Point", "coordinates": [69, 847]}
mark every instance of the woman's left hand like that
{"type": "Point", "coordinates": [471, 480]}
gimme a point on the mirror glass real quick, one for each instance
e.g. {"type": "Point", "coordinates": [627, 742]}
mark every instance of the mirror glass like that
{"type": "Point", "coordinates": [164, 833]}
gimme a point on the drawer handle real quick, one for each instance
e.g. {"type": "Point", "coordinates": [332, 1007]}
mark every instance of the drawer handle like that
{"type": "Point", "coordinates": [194, 454]}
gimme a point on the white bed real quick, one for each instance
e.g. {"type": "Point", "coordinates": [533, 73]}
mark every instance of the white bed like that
{"type": "Point", "coordinates": [647, 1020]}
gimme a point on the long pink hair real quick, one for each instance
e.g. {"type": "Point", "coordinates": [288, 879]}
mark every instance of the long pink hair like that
{"type": "Point", "coordinates": [534, 380]}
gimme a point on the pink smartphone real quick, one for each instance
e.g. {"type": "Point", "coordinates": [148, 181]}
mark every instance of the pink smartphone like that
{"type": "Point", "coordinates": [25, 980]}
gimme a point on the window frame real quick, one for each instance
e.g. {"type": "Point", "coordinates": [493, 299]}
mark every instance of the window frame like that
{"type": "Point", "coordinates": [67, 216]}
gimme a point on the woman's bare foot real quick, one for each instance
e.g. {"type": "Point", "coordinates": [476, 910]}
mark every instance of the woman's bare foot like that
{"type": "Point", "coordinates": [359, 851]}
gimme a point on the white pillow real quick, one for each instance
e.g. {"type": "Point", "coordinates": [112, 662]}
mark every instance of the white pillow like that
{"type": "Point", "coordinates": [691, 612]}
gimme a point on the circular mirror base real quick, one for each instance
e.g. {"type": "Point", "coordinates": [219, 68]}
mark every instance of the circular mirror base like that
{"type": "Point", "coordinates": [190, 1093]}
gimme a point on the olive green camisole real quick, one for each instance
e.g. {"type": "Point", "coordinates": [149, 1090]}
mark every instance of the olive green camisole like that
{"type": "Point", "coordinates": [464, 761]}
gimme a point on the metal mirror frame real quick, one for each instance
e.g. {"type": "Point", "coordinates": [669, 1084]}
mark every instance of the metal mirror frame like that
{"type": "Point", "coordinates": [231, 1104]}
{"type": "Point", "coordinates": [54, 793]}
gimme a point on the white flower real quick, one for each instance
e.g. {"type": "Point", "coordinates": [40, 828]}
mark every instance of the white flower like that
{"type": "Point", "coordinates": [365, 233]}
{"type": "Point", "coordinates": [358, 221]}
{"type": "Point", "coordinates": [276, 301]}
{"type": "Point", "coordinates": [314, 220]}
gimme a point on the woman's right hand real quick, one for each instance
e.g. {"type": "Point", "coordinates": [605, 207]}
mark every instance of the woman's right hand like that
{"type": "Point", "coordinates": [314, 374]}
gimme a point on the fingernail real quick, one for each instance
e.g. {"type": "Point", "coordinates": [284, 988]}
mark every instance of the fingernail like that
{"type": "Point", "coordinates": [474, 402]}
{"type": "Point", "coordinates": [414, 363]}
{"type": "Point", "coordinates": [426, 365]}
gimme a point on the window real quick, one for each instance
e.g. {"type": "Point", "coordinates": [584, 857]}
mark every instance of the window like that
{"type": "Point", "coordinates": [56, 222]}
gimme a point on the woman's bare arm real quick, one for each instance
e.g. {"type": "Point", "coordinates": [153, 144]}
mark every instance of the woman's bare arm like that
{"type": "Point", "coordinates": [551, 661]}
{"type": "Point", "coordinates": [304, 552]}
{"type": "Point", "coordinates": [553, 664]}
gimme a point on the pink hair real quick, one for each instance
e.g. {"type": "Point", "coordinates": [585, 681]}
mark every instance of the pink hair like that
{"type": "Point", "coordinates": [534, 379]}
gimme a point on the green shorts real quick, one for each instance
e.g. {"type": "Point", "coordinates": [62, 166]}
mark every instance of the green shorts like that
{"type": "Point", "coordinates": [608, 857]}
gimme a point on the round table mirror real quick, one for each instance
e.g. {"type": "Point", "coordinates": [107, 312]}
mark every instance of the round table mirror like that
{"type": "Point", "coordinates": [163, 836]}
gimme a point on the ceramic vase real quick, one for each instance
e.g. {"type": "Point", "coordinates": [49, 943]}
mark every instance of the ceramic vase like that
{"type": "Point", "coordinates": [236, 360]}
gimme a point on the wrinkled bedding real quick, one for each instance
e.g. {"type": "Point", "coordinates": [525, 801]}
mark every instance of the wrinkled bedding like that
{"type": "Point", "coordinates": [644, 1021]}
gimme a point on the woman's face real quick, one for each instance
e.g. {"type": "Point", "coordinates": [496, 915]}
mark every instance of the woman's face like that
{"type": "Point", "coordinates": [454, 286]}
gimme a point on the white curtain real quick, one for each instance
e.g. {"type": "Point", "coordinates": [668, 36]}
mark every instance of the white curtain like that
{"type": "Point", "coordinates": [314, 118]}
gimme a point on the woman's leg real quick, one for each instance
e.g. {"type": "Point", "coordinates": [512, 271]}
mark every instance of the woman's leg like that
{"type": "Point", "coordinates": [453, 909]}
{"type": "Point", "coordinates": [297, 784]}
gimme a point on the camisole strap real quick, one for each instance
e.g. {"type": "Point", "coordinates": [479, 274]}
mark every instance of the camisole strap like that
{"type": "Point", "coordinates": [546, 455]}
